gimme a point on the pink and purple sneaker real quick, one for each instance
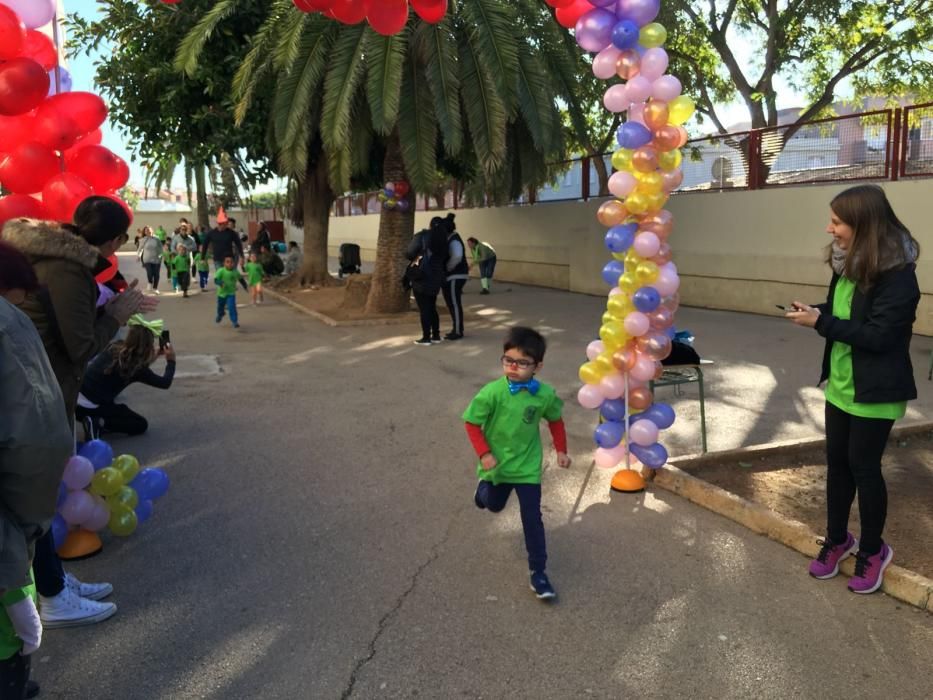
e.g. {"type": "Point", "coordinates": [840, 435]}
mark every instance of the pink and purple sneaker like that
{"type": "Point", "coordinates": [869, 570]}
{"type": "Point", "coordinates": [826, 564]}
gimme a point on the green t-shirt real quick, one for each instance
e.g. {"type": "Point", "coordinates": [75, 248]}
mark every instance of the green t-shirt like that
{"type": "Point", "coordinates": [9, 642]}
{"type": "Point", "coordinates": [483, 251]}
{"type": "Point", "coordinates": [160, 234]}
{"type": "Point", "coordinates": [181, 263]}
{"type": "Point", "coordinates": [253, 273]}
{"type": "Point", "coordinates": [201, 263]}
{"type": "Point", "coordinates": [227, 281]}
{"type": "Point", "coordinates": [840, 389]}
{"type": "Point", "coordinates": [511, 426]}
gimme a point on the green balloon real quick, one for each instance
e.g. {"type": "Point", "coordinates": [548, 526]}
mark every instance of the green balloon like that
{"type": "Point", "coordinates": [128, 466]}
{"type": "Point", "coordinates": [125, 497]}
{"type": "Point", "coordinates": [106, 482]}
{"type": "Point", "coordinates": [123, 521]}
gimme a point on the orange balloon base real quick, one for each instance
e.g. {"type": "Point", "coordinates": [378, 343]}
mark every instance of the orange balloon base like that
{"type": "Point", "coordinates": [628, 481]}
{"type": "Point", "coordinates": [80, 544]}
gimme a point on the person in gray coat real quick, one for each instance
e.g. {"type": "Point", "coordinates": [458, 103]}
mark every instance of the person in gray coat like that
{"type": "Point", "coordinates": [150, 255]}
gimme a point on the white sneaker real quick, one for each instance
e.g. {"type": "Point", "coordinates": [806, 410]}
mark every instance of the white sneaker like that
{"type": "Point", "coordinates": [157, 291]}
{"type": "Point", "coordinates": [91, 591]}
{"type": "Point", "coordinates": [68, 609]}
{"type": "Point", "coordinates": [149, 287]}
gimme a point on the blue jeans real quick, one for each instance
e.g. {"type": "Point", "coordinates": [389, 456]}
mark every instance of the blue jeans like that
{"type": "Point", "coordinates": [228, 303]}
{"type": "Point", "coordinates": [202, 278]}
{"type": "Point", "coordinates": [495, 496]}
{"type": "Point", "coordinates": [487, 267]}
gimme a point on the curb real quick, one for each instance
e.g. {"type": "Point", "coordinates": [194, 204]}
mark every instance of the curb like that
{"type": "Point", "coordinates": [334, 323]}
{"type": "Point", "coordinates": [903, 584]}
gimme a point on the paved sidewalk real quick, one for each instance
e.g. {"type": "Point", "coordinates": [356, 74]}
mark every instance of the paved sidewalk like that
{"type": "Point", "coordinates": [319, 539]}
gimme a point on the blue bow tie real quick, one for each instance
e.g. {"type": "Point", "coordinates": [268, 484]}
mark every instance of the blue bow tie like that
{"type": "Point", "coordinates": [532, 385]}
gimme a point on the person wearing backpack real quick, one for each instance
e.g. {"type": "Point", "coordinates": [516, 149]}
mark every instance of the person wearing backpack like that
{"type": "Point", "coordinates": [427, 253]}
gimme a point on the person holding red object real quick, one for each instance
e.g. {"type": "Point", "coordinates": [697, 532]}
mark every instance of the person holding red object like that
{"type": "Point", "coordinates": [502, 423]}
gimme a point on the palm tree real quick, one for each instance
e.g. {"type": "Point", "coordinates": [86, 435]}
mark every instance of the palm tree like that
{"type": "Point", "coordinates": [474, 91]}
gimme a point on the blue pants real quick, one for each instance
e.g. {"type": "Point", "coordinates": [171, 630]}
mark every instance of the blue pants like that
{"type": "Point", "coordinates": [202, 278]}
{"type": "Point", "coordinates": [495, 496]}
{"type": "Point", "coordinates": [228, 303]}
{"type": "Point", "coordinates": [487, 267]}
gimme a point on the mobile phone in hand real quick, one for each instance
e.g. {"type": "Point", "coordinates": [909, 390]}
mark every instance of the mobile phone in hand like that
{"type": "Point", "coordinates": [789, 307]}
{"type": "Point", "coordinates": [164, 339]}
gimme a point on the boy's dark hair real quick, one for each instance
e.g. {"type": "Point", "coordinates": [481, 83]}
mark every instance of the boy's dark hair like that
{"type": "Point", "coordinates": [528, 340]}
{"type": "Point", "coordinates": [228, 257]}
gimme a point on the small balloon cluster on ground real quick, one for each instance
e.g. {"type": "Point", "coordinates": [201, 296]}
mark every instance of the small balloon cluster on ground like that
{"type": "Point", "coordinates": [386, 17]}
{"type": "Point", "coordinates": [637, 329]}
{"type": "Point", "coordinates": [101, 491]}
{"type": "Point", "coordinates": [50, 153]}
{"type": "Point", "coordinates": [395, 196]}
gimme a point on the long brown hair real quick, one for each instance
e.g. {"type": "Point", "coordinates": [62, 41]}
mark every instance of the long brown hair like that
{"type": "Point", "coordinates": [880, 242]}
{"type": "Point", "coordinates": [132, 354]}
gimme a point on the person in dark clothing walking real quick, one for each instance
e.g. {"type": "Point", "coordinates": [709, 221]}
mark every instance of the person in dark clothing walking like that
{"type": "Point", "coordinates": [867, 321]}
{"type": "Point", "coordinates": [224, 242]}
{"type": "Point", "coordinates": [457, 273]}
{"type": "Point", "coordinates": [119, 365]}
{"type": "Point", "coordinates": [427, 253]}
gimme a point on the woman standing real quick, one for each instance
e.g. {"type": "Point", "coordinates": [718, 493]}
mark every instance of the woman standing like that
{"type": "Point", "coordinates": [867, 321]}
{"type": "Point", "coordinates": [428, 253]}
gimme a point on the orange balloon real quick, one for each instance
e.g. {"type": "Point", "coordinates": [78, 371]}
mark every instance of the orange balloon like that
{"type": "Point", "coordinates": [683, 136]}
{"type": "Point", "coordinates": [612, 213]}
{"type": "Point", "coordinates": [656, 114]}
{"type": "Point", "coordinates": [640, 398]}
{"type": "Point", "coordinates": [645, 159]}
{"type": "Point", "coordinates": [624, 359]}
{"type": "Point", "coordinates": [628, 65]}
{"type": "Point", "coordinates": [666, 137]}
{"type": "Point", "coordinates": [660, 224]}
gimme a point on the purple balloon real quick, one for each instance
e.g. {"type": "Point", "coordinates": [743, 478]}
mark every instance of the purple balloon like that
{"type": "Point", "coordinates": [78, 507]}
{"type": "Point", "coordinates": [653, 456]}
{"type": "Point", "coordinates": [594, 29]}
{"type": "Point", "coordinates": [34, 13]}
{"type": "Point", "coordinates": [613, 409]}
{"type": "Point", "coordinates": [619, 238]}
{"type": "Point", "coordinates": [99, 452]}
{"type": "Point", "coordinates": [403, 205]}
{"type": "Point", "coordinates": [624, 34]}
{"type": "Point", "coordinates": [62, 495]}
{"type": "Point", "coordinates": [78, 472]}
{"type": "Point", "coordinates": [604, 3]}
{"type": "Point", "coordinates": [608, 434]}
{"type": "Point", "coordinates": [612, 272]}
{"type": "Point", "coordinates": [641, 12]}
{"type": "Point", "coordinates": [633, 135]}
{"type": "Point", "coordinates": [646, 299]}
{"type": "Point", "coordinates": [661, 414]}
{"type": "Point", "coordinates": [59, 530]}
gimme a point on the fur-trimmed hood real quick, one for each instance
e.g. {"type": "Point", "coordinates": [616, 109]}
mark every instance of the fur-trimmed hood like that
{"type": "Point", "coordinates": [47, 239]}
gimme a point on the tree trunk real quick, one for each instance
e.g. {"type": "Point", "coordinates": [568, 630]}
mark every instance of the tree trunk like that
{"type": "Point", "coordinates": [316, 201]}
{"type": "Point", "coordinates": [395, 231]}
{"type": "Point", "coordinates": [201, 196]}
{"type": "Point", "coordinates": [601, 174]}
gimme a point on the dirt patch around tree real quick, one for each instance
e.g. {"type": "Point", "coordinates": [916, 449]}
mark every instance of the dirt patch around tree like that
{"type": "Point", "coordinates": [342, 303]}
{"type": "Point", "coordinates": [794, 485]}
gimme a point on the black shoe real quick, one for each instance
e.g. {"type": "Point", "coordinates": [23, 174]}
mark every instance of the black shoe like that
{"type": "Point", "coordinates": [541, 586]}
{"type": "Point", "coordinates": [453, 336]}
{"type": "Point", "coordinates": [423, 341]}
{"type": "Point", "coordinates": [32, 689]}
{"type": "Point", "coordinates": [435, 340]}
{"type": "Point", "coordinates": [476, 499]}
{"type": "Point", "coordinates": [484, 291]}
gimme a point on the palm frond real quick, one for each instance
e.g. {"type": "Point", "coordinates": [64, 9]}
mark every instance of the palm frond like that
{"type": "Point", "coordinates": [339, 167]}
{"type": "Point", "coordinates": [189, 50]}
{"type": "Point", "coordinates": [490, 26]}
{"type": "Point", "coordinates": [385, 57]}
{"type": "Point", "coordinates": [417, 129]}
{"type": "Point", "coordinates": [437, 51]}
{"type": "Point", "coordinates": [257, 62]}
{"type": "Point", "coordinates": [287, 47]}
{"type": "Point", "coordinates": [486, 113]}
{"type": "Point", "coordinates": [346, 65]}
{"type": "Point", "coordinates": [536, 101]}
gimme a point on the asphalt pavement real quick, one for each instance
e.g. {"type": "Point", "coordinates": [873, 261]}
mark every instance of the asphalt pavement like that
{"type": "Point", "coordinates": [319, 539]}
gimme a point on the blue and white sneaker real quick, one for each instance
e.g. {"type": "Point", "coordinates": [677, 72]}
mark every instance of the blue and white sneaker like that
{"type": "Point", "coordinates": [541, 586]}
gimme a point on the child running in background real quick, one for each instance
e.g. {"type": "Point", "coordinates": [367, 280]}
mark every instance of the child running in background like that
{"type": "Point", "coordinates": [226, 279]}
{"type": "Point", "coordinates": [502, 423]}
{"type": "Point", "coordinates": [181, 265]}
{"type": "Point", "coordinates": [254, 273]}
{"type": "Point", "coordinates": [203, 267]}
{"type": "Point", "coordinates": [167, 256]}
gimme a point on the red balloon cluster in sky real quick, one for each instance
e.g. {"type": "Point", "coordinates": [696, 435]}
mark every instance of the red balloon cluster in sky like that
{"type": "Point", "coordinates": [387, 17]}
{"type": "Point", "coordinates": [50, 152]}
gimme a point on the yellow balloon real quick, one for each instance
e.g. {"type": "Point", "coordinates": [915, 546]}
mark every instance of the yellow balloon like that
{"type": "Point", "coordinates": [656, 201]}
{"type": "Point", "coordinates": [620, 305]}
{"type": "Point", "coordinates": [589, 374]}
{"type": "Point", "coordinates": [669, 161]}
{"type": "Point", "coordinates": [632, 257]}
{"type": "Point", "coordinates": [126, 497]}
{"type": "Point", "coordinates": [128, 466]}
{"type": "Point", "coordinates": [636, 203]}
{"type": "Point", "coordinates": [123, 521]}
{"type": "Point", "coordinates": [619, 256]}
{"type": "Point", "coordinates": [650, 182]}
{"type": "Point", "coordinates": [628, 283]}
{"type": "Point", "coordinates": [106, 482]}
{"type": "Point", "coordinates": [652, 35]}
{"type": "Point", "coordinates": [681, 109]}
{"type": "Point", "coordinates": [646, 273]}
{"type": "Point", "coordinates": [608, 318]}
{"type": "Point", "coordinates": [613, 335]}
{"type": "Point", "coordinates": [622, 160]}
{"type": "Point", "coordinates": [604, 360]}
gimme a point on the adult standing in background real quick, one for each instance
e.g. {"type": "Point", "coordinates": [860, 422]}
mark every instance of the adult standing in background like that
{"type": "Point", "coordinates": [867, 321]}
{"type": "Point", "coordinates": [457, 273]}
{"type": "Point", "coordinates": [484, 255]}
{"type": "Point", "coordinates": [184, 237]}
{"type": "Point", "coordinates": [262, 238]}
{"type": "Point", "coordinates": [150, 255]}
{"type": "Point", "coordinates": [223, 241]}
{"type": "Point", "coordinates": [428, 251]}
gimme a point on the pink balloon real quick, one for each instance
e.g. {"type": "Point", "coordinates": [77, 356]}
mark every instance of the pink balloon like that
{"type": "Point", "coordinates": [636, 323]}
{"type": "Point", "coordinates": [589, 396]}
{"type": "Point", "coordinates": [78, 507]}
{"type": "Point", "coordinates": [34, 13]}
{"type": "Point", "coordinates": [647, 244]}
{"type": "Point", "coordinates": [668, 281]}
{"type": "Point", "coordinates": [604, 63]}
{"type": "Point", "coordinates": [654, 63]}
{"type": "Point", "coordinates": [614, 291]}
{"type": "Point", "coordinates": [643, 432]}
{"type": "Point", "coordinates": [621, 184]}
{"type": "Point", "coordinates": [609, 458]}
{"type": "Point", "coordinates": [595, 349]}
{"type": "Point", "coordinates": [636, 113]}
{"type": "Point", "coordinates": [100, 516]}
{"type": "Point", "coordinates": [644, 368]}
{"type": "Point", "coordinates": [616, 99]}
{"type": "Point", "coordinates": [612, 385]}
{"type": "Point", "coordinates": [666, 88]}
{"type": "Point", "coordinates": [78, 473]}
{"type": "Point", "coordinates": [638, 88]}
{"type": "Point", "coordinates": [672, 180]}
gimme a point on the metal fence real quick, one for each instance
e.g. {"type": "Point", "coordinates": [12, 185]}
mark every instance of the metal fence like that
{"type": "Point", "coordinates": [877, 145]}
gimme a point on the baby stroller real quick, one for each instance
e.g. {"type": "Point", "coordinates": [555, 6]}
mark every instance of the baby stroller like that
{"type": "Point", "coordinates": [349, 259]}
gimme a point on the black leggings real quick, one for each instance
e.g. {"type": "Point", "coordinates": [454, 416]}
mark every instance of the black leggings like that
{"type": "Point", "coordinates": [152, 273]}
{"type": "Point", "coordinates": [47, 567]}
{"type": "Point", "coordinates": [114, 418]}
{"type": "Point", "coordinates": [453, 297]}
{"type": "Point", "coordinates": [854, 447]}
{"type": "Point", "coordinates": [14, 672]}
{"type": "Point", "coordinates": [430, 321]}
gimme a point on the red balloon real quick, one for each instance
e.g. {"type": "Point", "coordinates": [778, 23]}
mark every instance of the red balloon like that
{"type": "Point", "coordinates": [62, 195]}
{"type": "Point", "coordinates": [106, 275]}
{"type": "Point", "coordinates": [23, 85]}
{"type": "Point", "coordinates": [402, 188]}
{"type": "Point", "coordinates": [85, 109]}
{"type": "Point", "coordinates": [568, 16]}
{"type": "Point", "coordinates": [28, 167]}
{"type": "Point", "coordinates": [39, 48]}
{"type": "Point", "coordinates": [99, 167]}
{"type": "Point", "coordinates": [92, 138]}
{"type": "Point", "coordinates": [12, 34]}
{"type": "Point", "coordinates": [15, 206]}
{"type": "Point", "coordinates": [351, 11]}
{"type": "Point", "coordinates": [431, 11]}
{"type": "Point", "coordinates": [388, 17]}
{"type": "Point", "coordinates": [55, 128]}
{"type": "Point", "coordinates": [559, 3]}
{"type": "Point", "coordinates": [16, 130]}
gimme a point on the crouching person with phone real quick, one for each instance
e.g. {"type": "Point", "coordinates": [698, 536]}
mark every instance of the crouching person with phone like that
{"type": "Point", "coordinates": [122, 363]}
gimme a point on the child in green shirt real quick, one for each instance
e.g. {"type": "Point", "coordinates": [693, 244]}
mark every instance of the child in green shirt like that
{"type": "Point", "coordinates": [254, 273]}
{"type": "Point", "coordinates": [181, 268]}
{"type": "Point", "coordinates": [203, 267]}
{"type": "Point", "coordinates": [167, 256]}
{"type": "Point", "coordinates": [484, 255]}
{"type": "Point", "coordinates": [20, 636]}
{"type": "Point", "coordinates": [502, 423]}
{"type": "Point", "coordinates": [226, 279]}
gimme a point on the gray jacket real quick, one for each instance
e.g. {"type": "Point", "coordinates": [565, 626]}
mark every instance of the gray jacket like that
{"type": "Point", "coordinates": [150, 250]}
{"type": "Point", "coordinates": [35, 443]}
{"type": "Point", "coordinates": [186, 241]}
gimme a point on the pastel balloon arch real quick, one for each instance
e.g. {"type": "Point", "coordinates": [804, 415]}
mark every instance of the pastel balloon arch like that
{"type": "Point", "coordinates": [50, 152]}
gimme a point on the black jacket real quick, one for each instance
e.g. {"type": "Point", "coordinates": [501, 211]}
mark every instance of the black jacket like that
{"type": "Point", "coordinates": [223, 243]}
{"type": "Point", "coordinates": [879, 332]}
{"type": "Point", "coordinates": [433, 243]}
{"type": "Point", "coordinates": [102, 388]}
